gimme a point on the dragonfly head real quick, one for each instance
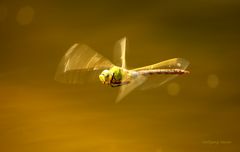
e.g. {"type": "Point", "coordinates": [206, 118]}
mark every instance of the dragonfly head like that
{"type": "Point", "coordinates": [104, 76]}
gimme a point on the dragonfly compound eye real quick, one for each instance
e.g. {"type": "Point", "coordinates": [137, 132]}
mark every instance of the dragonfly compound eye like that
{"type": "Point", "coordinates": [104, 76]}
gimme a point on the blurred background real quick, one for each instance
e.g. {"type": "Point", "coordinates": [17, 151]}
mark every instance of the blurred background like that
{"type": "Point", "coordinates": [198, 112]}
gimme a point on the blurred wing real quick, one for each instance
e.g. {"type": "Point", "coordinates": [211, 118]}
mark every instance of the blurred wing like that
{"type": "Point", "coordinates": [78, 62]}
{"type": "Point", "coordinates": [158, 80]}
{"type": "Point", "coordinates": [120, 53]}
{"type": "Point", "coordinates": [126, 89]}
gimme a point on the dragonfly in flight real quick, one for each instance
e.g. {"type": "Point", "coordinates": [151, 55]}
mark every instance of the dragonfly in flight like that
{"type": "Point", "coordinates": [80, 60]}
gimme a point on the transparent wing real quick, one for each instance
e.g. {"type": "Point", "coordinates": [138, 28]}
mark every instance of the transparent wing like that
{"type": "Point", "coordinates": [158, 80]}
{"type": "Point", "coordinates": [128, 88]}
{"type": "Point", "coordinates": [120, 53]}
{"type": "Point", "coordinates": [78, 62]}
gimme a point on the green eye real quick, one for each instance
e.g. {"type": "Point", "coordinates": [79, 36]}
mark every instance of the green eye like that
{"type": "Point", "coordinates": [102, 77]}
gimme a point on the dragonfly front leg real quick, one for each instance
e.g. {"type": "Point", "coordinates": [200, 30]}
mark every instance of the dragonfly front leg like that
{"type": "Point", "coordinates": [116, 85]}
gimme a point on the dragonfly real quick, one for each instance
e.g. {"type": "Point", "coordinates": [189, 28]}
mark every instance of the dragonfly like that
{"type": "Point", "coordinates": [80, 60]}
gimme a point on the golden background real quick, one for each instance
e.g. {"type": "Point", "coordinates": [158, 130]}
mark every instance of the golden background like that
{"type": "Point", "coordinates": [196, 113]}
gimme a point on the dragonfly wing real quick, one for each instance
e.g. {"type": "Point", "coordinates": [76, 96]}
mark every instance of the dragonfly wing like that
{"type": "Point", "coordinates": [158, 80]}
{"type": "Point", "coordinates": [78, 62]}
{"type": "Point", "coordinates": [126, 89]}
{"type": "Point", "coordinates": [120, 53]}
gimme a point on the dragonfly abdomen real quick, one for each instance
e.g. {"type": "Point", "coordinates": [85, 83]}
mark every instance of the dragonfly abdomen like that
{"type": "Point", "coordinates": [162, 71]}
